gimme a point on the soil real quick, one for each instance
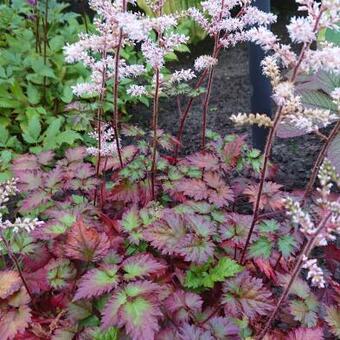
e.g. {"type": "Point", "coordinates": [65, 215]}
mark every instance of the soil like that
{"type": "Point", "coordinates": [231, 94]}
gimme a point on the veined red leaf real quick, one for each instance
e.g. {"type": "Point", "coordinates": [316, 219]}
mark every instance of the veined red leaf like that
{"type": "Point", "coordinates": [192, 332]}
{"type": "Point", "coordinates": [46, 157]}
{"type": "Point", "coordinates": [24, 163]}
{"type": "Point", "coordinates": [223, 328]}
{"type": "Point", "coordinates": [181, 304]}
{"type": "Point", "coordinates": [86, 244]}
{"type": "Point", "coordinates": [196, 249]}
{"type": "Point", "coordinates": [34, 200]}
{"type": "Point", "coordinates": [75, 154]}
{"type": "Point", "coordinates": [271, 197]}
{"type": "Point", "coordinates": [167, 233]}
{"type": "Point", "coordinates": [306, 334]}
{"type": "Point", "coordinates": [37, 281]}
{"type": "Point", "coordinates": [14, 321]}
{"type": "Point", "coordinates": [37, 260]}
{"type": "Point", "coordinates": [246, 295]}
{"type": "Point", "coordinates": [194, 188]}
{"type": "Point", "coordinates": [97, 282]}
{"type": "Point", "coordinates": [232, 151]}
{"type": "Point", "coordinates": [200, 225]}
{"type": "Point", "coordinates": [235, 228]}
{"type": "Point", "coordinates": [141, 265]}
{"type": "Point", "coordinates": [135, 308]}
{"type": "Point", "coordinates": [10, 282]}
{"type": "Point", "coordinates": [204, 160]}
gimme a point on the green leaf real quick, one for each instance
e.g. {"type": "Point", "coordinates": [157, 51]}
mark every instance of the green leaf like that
{"type": "Point", "coordinates": [8, 103]}
{"type": "Point", "coordinates": [51, 134]}
{"type": "Point", "coordinates": [305, 311]}
{"type": "Point", "coordinates": [225, 267]}
{"type": "Point", "coordinates": [268, 226]}
{"type": "Point", "coordinates": [333, 320]}
{"type": "Point", "coordinates": [32, 131]}
{"type": "Point", "coordinates": [68, 137]}
{"type": "Point", "coordinates": [286, 245]}
{"type": "Point", "coordinates": [67, 95]}
{"type": "Point", "coordinates": [205, 276]}
{"type": "Point", "coordinates": [110, 334]}
{"type": "Point", "coordinates": [261, 248]}
{"type": "Point", "coordinates": [3, 136]}
{"type": "Point", "coordinates": [131, 220]}
{"type": "Point", "coordinates": [33, 94]}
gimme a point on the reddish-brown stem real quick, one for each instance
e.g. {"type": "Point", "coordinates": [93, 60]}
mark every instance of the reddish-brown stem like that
{"type": "Point", "coordinates": [16, 264]}
{"type": "Point", "coordinates": [115, 92]}
{"type": "Point", "coordinates": [318, 162]}
{"type": "Point", "coordinates": [45, 44]}
{"type": "Point", "coordinates": [267, 152]}
{"type": "Point", "coordinates": [99, 117]}
{"type": "Point", "coordinates": [155, 126]}
{"type": "Point", "coordinates": [277, 262]}
{"type": "Point", "coordinates": [206, 106]}
{"type": "Point", "coordinates": [213, 313]}
{"type": "Point", "coordinates": [306, 250]}
{"type": "Point", "coordinates": [185, 113]}
{"type": "Point", "coordinates": [270, 140]}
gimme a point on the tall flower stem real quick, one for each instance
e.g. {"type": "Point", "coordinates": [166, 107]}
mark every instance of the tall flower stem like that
{"type": "Point", "coordinates": [115, 122]}
{"type": "Point", "coordinates": [270, 141]}
{"type": "Point", "coordinates": [208, 93]}
{"type": "Point", "coordinates": [45, 44]}
{"type": "Point", "coordinates": [184, 114]}
{"type": "Point", "coordinates": [319, 161]}
{"type": "Point", "coordinates": [155, 128]}
{"type": "Point", "coordinates": [305, 252]}
{"type": "Point", "coordinates": [16, 264]}
{"type": "Point", "coordinates": [83, 13]}
{"type": "Point", "coordinates": [207, 73]}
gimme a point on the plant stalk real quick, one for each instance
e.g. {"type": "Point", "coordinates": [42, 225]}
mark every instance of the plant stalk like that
{"type": "Point", "coordinates": [305, 252]}
{"type": "Point", "coordinates": [16, 264]}
{"type": "Point", "coordinates": [155, 127]}
{"type": "Point", "coordinates": [115, 92]}
{"type": "Point", "coordinates": [319, 161]}
{"type": "Point", "coordinates": [45, 44]}
{"type": "Point", "coordinates": [270, 141]}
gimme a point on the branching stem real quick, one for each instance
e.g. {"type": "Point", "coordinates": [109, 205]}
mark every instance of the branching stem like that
{"type": "Point", "coordinates": [16, 264]}
{"type": "Point", "coordinates": [270, 141]}
{"type": "Point", "coordinates": [319, 161]}
{"type": "Point", "coordinates": [305, 252]}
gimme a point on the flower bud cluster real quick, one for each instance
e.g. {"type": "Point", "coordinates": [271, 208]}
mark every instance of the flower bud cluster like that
{"type": "Point", "coordinates": [315, 273]}
{"type": "Point", "coordinates": [300, 217]}
{"type": "Point", "coordinates": [252, 119]}
{"type": "Point", "coordinates": [7, 189]}
{"type": "Point", "coordinates": [22, 224]}
{"type": "Point", "coordinates": [203, 62]}
{"type": "Point", "coordinates": [106, 144]}
{"type": "Point", "coordinates": [310, 119]}
{"type": "Point", "coordinates": [271, 69]}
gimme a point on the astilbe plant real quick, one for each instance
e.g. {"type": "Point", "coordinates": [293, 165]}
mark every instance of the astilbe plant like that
{"type": "Point", "coordinates": [122, 240]}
